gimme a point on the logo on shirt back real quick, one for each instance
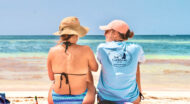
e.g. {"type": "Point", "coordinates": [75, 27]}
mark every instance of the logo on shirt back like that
{"type": "Point", "coordinates": [120, 58]}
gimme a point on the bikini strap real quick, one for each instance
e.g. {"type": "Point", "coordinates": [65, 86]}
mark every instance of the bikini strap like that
{"type": "Point", "coordinates": [67, 79]}
{"type": "Point", "coordinates": [67, 44]}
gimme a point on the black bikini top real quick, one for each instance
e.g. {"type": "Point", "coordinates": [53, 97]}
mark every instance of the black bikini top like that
{"type": "Point", "coordinates": [67, 44]}
{"type": "Point", "coordinates": [67, 79]}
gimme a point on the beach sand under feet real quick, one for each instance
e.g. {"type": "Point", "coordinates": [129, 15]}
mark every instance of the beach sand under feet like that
{"type": "Point", "coordinates": [151, 97]}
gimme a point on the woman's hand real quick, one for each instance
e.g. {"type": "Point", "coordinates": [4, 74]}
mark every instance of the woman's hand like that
{"type": "Point", "coordinates": [138, 78]}
{"type": "Point", "coordinates": [89, 98]}
{"type": "Point", "coordinates": [50, 99]}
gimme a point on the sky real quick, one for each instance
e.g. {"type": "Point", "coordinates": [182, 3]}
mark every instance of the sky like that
{"type": "Point", "coordinates": [145, 17]}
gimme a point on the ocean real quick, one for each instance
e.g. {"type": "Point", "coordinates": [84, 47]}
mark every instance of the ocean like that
{"type": "Point", "coordinates": [23, 61]}
{"type": "Point", "coordinates": [39, 45]}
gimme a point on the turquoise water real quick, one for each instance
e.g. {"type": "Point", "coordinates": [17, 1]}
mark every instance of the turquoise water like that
{"type": "Point", "coordinates": [14, 45]}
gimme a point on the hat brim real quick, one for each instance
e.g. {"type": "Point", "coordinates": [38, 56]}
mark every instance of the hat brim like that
{"type": "Point", "coordinates": [81, 31]}
{"type": "Point", "coordinates": [104, 27]}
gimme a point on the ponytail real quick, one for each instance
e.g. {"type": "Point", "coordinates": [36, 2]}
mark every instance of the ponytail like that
{"type": "Point", "coordinates": [128, 34]}
{"type": "Point", "coordinates": [64, 38]}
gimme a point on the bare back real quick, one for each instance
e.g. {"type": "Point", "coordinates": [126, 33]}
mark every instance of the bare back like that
{"type": "Point", "coordinates": [74, 61]}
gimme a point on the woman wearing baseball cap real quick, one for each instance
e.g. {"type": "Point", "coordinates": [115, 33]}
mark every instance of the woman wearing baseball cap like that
{"type": "Point", "coordinates": [70, 65]}
{"type": "Point", "coordinates": [119, 80]}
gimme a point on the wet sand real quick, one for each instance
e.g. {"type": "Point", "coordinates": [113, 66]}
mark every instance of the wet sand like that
{"type": "Point", "coordinates": [160, 75]}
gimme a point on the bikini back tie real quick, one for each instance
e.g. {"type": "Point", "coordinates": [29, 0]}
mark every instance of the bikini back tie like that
{"type": "Point", "coordinates": [67, 44]}
{"type": "Point", "coordinates": [67, 79]}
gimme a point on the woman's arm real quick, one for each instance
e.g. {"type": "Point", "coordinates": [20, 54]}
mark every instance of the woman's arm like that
{"type": "Point", "coordinates": [138, 77]}
{"type": "Point", "coordinates": [92, 63]}
{"type": "Point", "coordinates": [49, 66]}
{"type": "Point", "coordinates": [93, 66]}
{"type": "Point", "coordinates": [90, 96]}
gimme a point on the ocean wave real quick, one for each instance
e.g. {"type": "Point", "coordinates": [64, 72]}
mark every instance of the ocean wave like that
{"type": "Point", "coordinates": [99, 41]}
{"type": "Point", "coordinates": [160, 41]}
{"type": "Point", "coordinates": [44, 54]}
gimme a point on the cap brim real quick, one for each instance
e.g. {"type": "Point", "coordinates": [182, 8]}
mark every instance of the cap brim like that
{"type": "Point", "coordinates": [104, 27]}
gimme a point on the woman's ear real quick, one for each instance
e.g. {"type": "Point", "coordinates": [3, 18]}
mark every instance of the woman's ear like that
{"type": "Point", "coordinates": [108, 37]}
{"type": "Point", "coordinates": [116, 36]}
{"type": "Point", "coordinates": [76, 38]}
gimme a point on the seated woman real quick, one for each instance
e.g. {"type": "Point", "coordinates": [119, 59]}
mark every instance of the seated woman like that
{"type": "Point", "coordinates": [119, 80]}
{"type": "Point", "coordinates": [70, 65]}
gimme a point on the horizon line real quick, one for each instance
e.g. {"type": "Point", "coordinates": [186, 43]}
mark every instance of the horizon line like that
{"type": "Point", "coordinates": [91, 34]}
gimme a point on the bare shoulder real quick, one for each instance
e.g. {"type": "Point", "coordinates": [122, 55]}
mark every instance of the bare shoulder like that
{"type": "Point", "coordinates": [54, 48]}
{"type": "Point", "coordinates": [86, 48]}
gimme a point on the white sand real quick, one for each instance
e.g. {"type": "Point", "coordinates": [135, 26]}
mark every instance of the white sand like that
{"type": "Point", "coordinates": [151, 97]}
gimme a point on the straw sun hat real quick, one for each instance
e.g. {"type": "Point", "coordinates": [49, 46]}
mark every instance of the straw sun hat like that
{"type": "Point", "coordinates": [71, 26]}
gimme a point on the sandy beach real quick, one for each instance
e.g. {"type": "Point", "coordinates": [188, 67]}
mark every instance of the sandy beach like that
{"type": "Point", "coordinates": [164, 81]}
{"type": "Point", "coordinates": [151, 97]}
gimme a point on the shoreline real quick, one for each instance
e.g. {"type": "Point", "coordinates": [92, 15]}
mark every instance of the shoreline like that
{"type": "Point", "coordinates": [44, 55]}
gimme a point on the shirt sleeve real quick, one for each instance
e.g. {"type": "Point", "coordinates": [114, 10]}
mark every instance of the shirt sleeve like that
{"type": "Point", "coordinates": [141, 57]}
{"type": "Point", "coordinates": [98, 55]}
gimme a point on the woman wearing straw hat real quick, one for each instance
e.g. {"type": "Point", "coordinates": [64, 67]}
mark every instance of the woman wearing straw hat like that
{"type": "Point", "coordinates": [119, 80]}
{"type": "Point", "coordinates": [70, 65]}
